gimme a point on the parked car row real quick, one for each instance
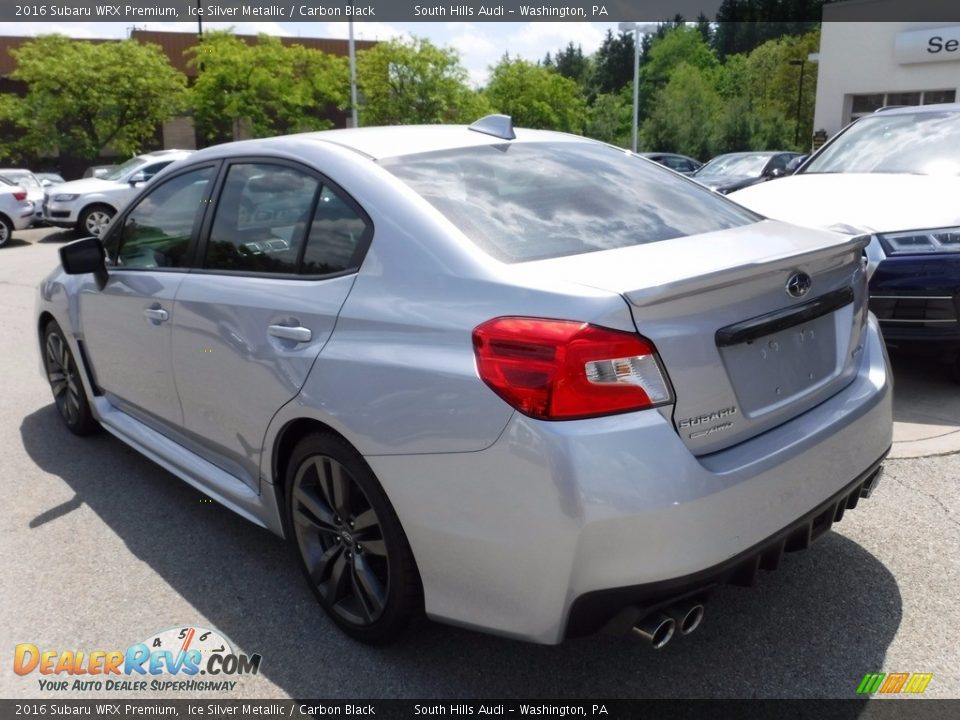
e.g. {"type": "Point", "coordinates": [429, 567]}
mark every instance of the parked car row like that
{"type": "Point", "coordinates": [85, 205]}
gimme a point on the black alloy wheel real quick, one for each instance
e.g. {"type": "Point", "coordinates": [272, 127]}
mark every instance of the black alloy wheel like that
{"type": "Point", "coordinates": [351, 546]}
{"type": "Point", "coordinates": [65, 382]}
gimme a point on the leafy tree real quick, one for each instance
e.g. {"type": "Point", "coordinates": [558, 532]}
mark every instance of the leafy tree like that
{"type": "Point", "coordinates": [672, 45]}
{"type": "Point", "coordinates": [83, 97]}
{"type": "Point", "coordinates": [608, 118]}
{"type": "Point", "coordinates": [684, 117]}
{"type": "Point", "coordinates": [535, 96]}
{"type": "Point", "coordinates": [572, 63]}
{"type": "Point", "coordinates": [414, 81]}
{"type": "Point", "coordinates": [742, 25]}
{"type": "Point", "coordinates": [679, 45]}
{"type": "Point", "coordinates": [267, 86]}
{"type": "Point", "coordinates": [705, 28]}
{"type": "Point", "coordinates": [613, 63]}
{"type": "Point", "coordinates": [773, 86]}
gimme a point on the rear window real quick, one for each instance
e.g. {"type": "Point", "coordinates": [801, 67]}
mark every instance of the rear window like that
{"type": "Point", "coordinates": [532, 201]}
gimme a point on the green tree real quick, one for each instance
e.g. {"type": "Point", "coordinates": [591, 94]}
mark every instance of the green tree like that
{"type": "Point", "coordinates": [572, 63]}
{"type": "Point", "coordinates": [535, 96]}
{"type": "Point", "coordinates": [743, 25]}
{"type": "Point", "coordinates": [680, 45]}
{"type": "Point", "coordinates": [684, 116]}
{"type": "Point", "coordinates": [84, 97]}
{"type": "Point", "coordinates": [415, 81]}
{"type": "Point", "coordinates": [268, 87]}
{"type": "Point", "coordinates": [613, 63]}
{"type": "Point", "coordinates": [608, 118]}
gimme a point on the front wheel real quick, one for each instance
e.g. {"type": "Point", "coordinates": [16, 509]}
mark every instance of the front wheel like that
{"type": "Point", "coordinates": [64, 378]}
{"type": "Point", "coordinates": [94, 220]}
{"type": "Point", "coordinates": [351, 546]}
{"type": "Point", "coordinates": [6, 230]}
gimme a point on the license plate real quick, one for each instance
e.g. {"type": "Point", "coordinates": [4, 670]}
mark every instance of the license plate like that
{"type": "Point", "coordinates": [778, 368]}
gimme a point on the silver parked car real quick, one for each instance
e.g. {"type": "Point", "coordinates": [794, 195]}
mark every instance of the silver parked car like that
{"type": "Point", "coordinates": [524, 381]}
{"type": "Point", "coordinates": [88, 205]}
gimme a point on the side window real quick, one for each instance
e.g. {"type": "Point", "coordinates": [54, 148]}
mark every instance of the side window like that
{"type": "Point", "coordinates": [261, 219]}
{"type": "Point", "coordinates": [150, 170]}
{"type": "Point", "coordinates": [779, 162]}
{"type": "Point", "coordinates": [156, 233]}
{"type": "Point", "coordinates": [334, 236]}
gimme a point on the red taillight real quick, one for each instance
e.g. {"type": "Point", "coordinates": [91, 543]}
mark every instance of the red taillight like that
{"type": "Point", "coordinates": [561, 370]}
{"type": "Point", "coordinates": [20, 196]}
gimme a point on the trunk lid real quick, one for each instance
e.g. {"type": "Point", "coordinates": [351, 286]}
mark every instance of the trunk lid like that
{"type": "Point", "coordinates": [743, 354]}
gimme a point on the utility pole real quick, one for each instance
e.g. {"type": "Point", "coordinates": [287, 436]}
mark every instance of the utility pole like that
{"type": "Point", "coordinates": [637, 29]}
{"type": "Point", "coordinates": [353, 79]}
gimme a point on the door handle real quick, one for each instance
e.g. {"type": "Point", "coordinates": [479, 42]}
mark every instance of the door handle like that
{"type": "Point", "coordinates": [157, 314]}
{"type": "Point", "coordinates": [297, 334]}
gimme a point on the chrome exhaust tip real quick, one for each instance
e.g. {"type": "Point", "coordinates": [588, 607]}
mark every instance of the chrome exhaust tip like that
{"type": "Point", "coordinates": [687, 616]}
{"type": "Point", "coordinates": [656, 629]}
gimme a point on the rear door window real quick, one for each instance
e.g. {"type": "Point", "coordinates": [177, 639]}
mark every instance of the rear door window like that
{"type": "Point", "coordinates": [262, 219]}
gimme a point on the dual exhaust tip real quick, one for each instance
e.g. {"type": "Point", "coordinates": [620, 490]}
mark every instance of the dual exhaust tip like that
{"type": "Point", "coordinates": [659, 628]}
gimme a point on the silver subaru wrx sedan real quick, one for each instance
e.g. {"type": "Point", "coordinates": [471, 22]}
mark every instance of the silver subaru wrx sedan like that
{"type": "Point", "coordinates": [520, 381]}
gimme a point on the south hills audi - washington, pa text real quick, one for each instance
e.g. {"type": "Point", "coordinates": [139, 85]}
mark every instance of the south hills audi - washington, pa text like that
{"type": "Point", "coordinates": [536, 11]}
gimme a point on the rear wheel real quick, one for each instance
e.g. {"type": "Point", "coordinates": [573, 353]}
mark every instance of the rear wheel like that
{"type": "Point", "coordinates": [95, 219]}
{"type": "Point", "coordinates": [6, 230]}
{"type": "Point", "coordinates": [64, 378]}
{"type": "Point", "coordinates": [351, 546]}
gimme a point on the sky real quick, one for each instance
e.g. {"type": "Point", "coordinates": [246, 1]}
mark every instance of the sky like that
{"type": "Point", "coordinates": [480, 44]}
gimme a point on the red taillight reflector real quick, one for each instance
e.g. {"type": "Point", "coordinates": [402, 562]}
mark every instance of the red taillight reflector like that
{"type": "Point", "coordinates": [562, 370]}
{"type": "Point", "coordinates": [19, 196]}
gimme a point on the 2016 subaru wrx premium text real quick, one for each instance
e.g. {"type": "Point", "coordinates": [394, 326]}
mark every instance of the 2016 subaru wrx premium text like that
{"type": "Point", "coordinates": [522, 381]}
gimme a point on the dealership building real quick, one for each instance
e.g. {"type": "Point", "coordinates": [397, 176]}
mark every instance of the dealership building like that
{"type": "Point", "coordinates": [866, 64]}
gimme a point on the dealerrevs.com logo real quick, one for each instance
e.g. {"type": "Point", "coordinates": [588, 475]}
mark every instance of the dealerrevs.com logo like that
{"type": "Point", "coordinates": [179, 659]}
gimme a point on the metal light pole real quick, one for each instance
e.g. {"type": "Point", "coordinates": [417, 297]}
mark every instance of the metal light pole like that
{"type": "Point", "coordinates": [353, 80]}
{"type": "Point", "coordinates": [801, 62]}
{"type": "Point", "coordinates": [199, 22]}
{"type": "Point", "coordinates": [638, 29]}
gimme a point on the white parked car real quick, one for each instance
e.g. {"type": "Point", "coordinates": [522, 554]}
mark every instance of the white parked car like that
{"type": "Point", "coordinates": [893, 175]}
{"type": "Point", "coordinates": [26, 180]}
{"type": "Point", "coordinates": [89, 205]}
{"type": "Point", "coordinates": [16, 210]}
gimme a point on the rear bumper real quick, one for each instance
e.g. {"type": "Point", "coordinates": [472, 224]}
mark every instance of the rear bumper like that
{"type": "Point", "coordinates": [618, 609]}
{"type": "Point", "coordinates": [509, 538]}
{"type": "Point", "coordinates": [22, 216]}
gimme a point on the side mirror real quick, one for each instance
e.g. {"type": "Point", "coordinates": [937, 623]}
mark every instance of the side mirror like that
{"type": "Point", "coordinates": [85, 256]}
{"type": "Point", "coordinates": [137, 177]}
{"type": "Point", "coordinates": [795, 163]}
{"type": "Point", "coordinates": [775, 173]}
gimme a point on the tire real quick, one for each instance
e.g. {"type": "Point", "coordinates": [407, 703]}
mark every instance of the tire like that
{"type": "Point", "coordinates": [6, 230]}
{"type": "Point", "coordinates": [94, 220]}
{"type": "Point", "coordinates": [349, 541]}
{"type": "Point", "coordinates": [65, 383]}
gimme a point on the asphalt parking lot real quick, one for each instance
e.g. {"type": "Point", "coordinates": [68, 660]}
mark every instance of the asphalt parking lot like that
{"type": "Point", "coordinates": [101, 548]}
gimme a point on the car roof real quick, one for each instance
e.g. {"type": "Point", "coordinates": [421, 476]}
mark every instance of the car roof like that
{"type": "Point", "coordinates": [913, 109]}
{"type": "Point", "coordinates": [383, 142]}
{"type": "Point", "coordinates": [159, 155]}
{"type": "Point", "coordinates": [761, 153]}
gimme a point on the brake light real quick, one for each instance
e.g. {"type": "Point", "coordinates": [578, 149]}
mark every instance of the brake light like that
{"type": "Point", "coordinates": [563, 370]}
{"type": "Point", "coordinates": [20, 196]}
